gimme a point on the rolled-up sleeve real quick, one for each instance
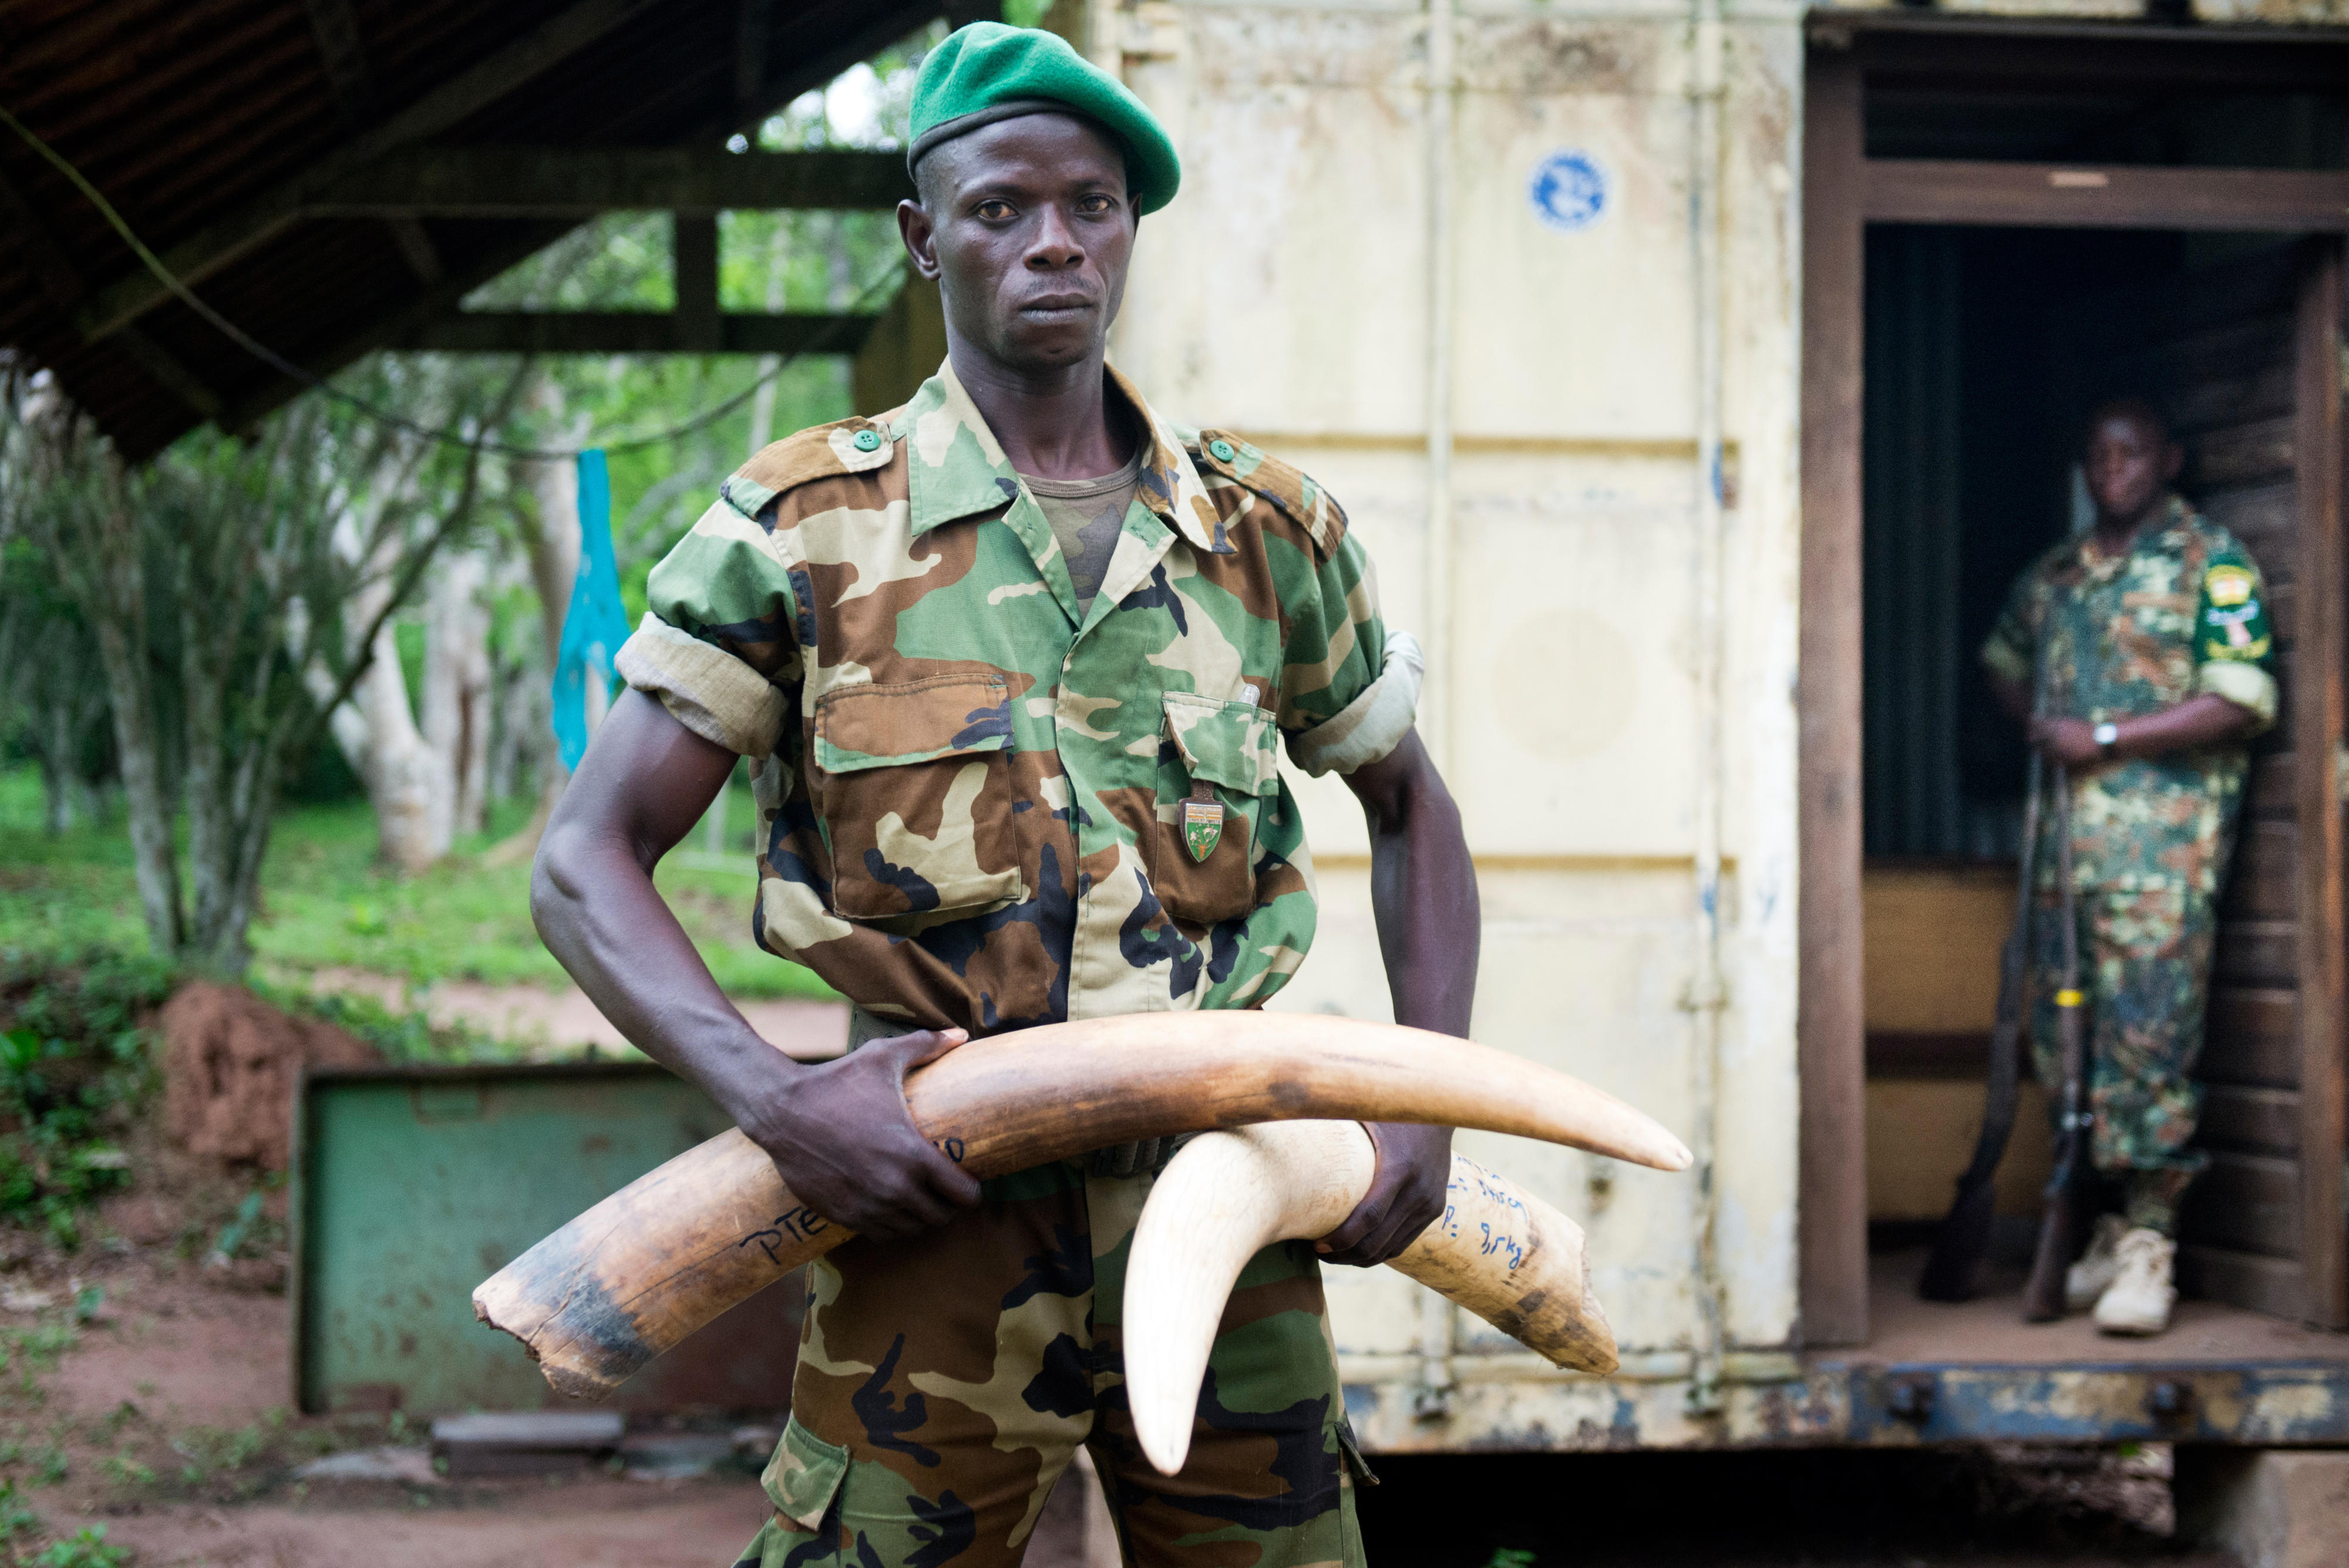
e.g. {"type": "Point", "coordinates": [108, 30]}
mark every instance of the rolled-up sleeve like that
{"type": "Point", "coordinates": [1350, 689]}
{"type": "Point", "coordinates": [718, 646]}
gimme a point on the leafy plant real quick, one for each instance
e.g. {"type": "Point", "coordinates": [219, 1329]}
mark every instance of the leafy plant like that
{"type": "Point", "coordinates": [74, 1066]}
{"type": "Point", "coordinates": [15, 1519]}
{"type": "Point", "coordinates": [233, 1236]}
{"type": "Point", "coordinates": [85, 1548]}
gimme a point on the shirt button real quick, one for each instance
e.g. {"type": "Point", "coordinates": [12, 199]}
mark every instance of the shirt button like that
{"type": "Point", "coordinates": [868, 440]}
{"type": "Point", "coordinates": [1221, 451]}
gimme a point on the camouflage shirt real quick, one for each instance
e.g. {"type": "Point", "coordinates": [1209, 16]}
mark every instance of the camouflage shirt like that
{"type": "Point", "coordinates": [2183, 612]}
{"type": "Point", "coordinates": [978, 805]}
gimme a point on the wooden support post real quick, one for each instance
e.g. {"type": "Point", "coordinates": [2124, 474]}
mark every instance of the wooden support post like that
{"type": "Point", "coordinates": [2316, 725]}
{"type": "Point", "coordinates": [753, 30]}
{"type": "Point", "coordinates": [694, 263]}
{"type": "Point", "coordinates": [1831, 1027]}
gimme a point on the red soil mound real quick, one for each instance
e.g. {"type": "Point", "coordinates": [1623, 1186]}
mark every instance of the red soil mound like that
{"type": "Point", "coordinates": [230, 1062]}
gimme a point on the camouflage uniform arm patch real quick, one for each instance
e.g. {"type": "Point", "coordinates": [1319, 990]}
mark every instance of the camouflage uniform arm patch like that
{"type": "Point", "coordinates": [720, 645]}
{"type": "Point", "coordinates": [2234, 642]}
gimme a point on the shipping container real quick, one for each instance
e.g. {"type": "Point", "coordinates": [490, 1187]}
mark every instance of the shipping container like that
{"type": "Point", "coordinates": [1698, 378]}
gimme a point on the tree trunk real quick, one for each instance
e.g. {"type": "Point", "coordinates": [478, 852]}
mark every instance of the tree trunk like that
{"type": "Point", "coordinates": [116, 607]}
{"type": "Point", "coordinates": [457, 692]}
{"type": "Point", "coordinates": [409, 835]}
{"type": "Point", "coordinates": [60, 763]}
{"type": "Point", "coordinates": [205, 785]}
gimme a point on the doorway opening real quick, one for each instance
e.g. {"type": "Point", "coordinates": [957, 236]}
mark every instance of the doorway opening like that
{"type": "Point", "coordinates": [1984, 350]}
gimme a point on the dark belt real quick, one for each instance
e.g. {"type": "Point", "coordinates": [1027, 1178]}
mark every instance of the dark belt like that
{"type": "Point", "coordinates": [1119, 1162]}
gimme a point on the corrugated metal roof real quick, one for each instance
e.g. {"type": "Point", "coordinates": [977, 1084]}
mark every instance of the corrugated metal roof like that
{"type": "Point", "coordinates": [188, 113]}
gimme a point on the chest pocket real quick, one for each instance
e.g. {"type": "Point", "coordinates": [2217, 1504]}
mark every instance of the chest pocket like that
{"type": "Point", "coordinates": [913, 792]}
{"type": "Point", "coordinates": [1216, 767]}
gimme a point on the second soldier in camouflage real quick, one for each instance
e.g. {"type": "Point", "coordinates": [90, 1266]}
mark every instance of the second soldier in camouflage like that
{"type": "Point", "coordinates": [2145, 642]}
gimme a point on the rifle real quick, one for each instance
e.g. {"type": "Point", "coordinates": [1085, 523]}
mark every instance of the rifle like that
{"type": "Point", "coordinates": [1964, 1235]}
{"type": "Point", "coordinates": [2043, 1298]}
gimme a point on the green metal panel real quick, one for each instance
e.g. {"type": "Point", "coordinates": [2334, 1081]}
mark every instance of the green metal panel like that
{"type": "Point", "coordinates": [411, 1186]}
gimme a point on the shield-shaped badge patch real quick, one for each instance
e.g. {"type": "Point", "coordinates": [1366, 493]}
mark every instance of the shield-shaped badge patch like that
{"type": "Point", "coordinates": [1203, 822]}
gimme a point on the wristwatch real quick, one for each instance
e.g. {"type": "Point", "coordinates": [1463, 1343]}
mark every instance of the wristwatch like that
{"type": "Point", "coordinates": [2105, 735]}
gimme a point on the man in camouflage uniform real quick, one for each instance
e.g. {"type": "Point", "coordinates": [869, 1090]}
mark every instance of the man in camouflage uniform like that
{"type": "Point", "coordinates": [2143, 645]}
{"type": "Point", "coordinates": [1012, 662]}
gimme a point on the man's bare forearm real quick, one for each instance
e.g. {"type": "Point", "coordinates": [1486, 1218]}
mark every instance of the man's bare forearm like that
{"type": "Point", "coordinates": [2206, 719]}
{"type": "Point", "coordinates": [838, 1131]}
{"type": "Point", "coordinates": [1423, 896]}
{"type": "Point", "coordinates": [593, 899]}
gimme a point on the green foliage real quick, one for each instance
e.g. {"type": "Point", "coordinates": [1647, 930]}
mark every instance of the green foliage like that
{"type": "Point", "coordinates": [74, 1066]}
{"type": "Point", "coordinates": [1511, 1557]}
{"type": "Point", "coordinates": [16, 1521]}
{"type": "Point", "coordinates": [217, 1453]}
{"type": "Point", "coordinates": [231, 1242]}
{"type": "Point", "coordinates": [85, 1548]}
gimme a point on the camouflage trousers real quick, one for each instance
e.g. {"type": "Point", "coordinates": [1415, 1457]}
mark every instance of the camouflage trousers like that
{"type": "Point", "coordinates": [2145, 971]}
{"type": "Point", "coordinates": [944, 1384]}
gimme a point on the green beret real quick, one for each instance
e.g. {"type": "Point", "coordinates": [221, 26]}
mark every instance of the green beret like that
{"type": "Point", "coordinates": [987, 71]}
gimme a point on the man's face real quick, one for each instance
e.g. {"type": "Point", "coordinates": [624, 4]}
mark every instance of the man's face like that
{"type": "Point", "coordinates": [2128, 464]}
{"type": "Point", "coordinates": [1027, 225]}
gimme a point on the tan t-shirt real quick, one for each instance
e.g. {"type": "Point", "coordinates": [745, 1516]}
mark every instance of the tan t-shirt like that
{"type": "Point", "coordinates": [1087, 515]}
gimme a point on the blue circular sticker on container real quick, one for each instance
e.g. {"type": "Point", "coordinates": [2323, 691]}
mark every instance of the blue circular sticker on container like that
{"type": "Point", "coordinates": [1568, 191]}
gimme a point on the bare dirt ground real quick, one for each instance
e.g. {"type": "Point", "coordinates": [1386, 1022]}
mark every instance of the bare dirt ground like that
{"type": "Point", "coordinates": [168, 1422]}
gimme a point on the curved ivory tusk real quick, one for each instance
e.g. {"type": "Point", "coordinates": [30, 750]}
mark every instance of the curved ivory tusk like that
{"type": "Point", "coordinates": [1504, 1254]}
{"type": "Point", "coordinates": [665, 1254]}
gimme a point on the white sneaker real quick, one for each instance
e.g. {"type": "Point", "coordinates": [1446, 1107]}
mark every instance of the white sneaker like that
{"type": "Point", "coordinates": [2138, 1301]}
{"type": "Point", "coordinates": [2098, 1267]}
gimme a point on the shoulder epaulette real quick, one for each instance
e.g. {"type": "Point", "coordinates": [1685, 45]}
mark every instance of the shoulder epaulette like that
{"type": "Point", "coordinates": [1290, 489]}
{"type": "Point", "coordinates": [820, 451]}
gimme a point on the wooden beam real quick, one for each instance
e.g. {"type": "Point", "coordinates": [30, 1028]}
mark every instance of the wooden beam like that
{"type": "Point", "coordinates": [634, 332]}
{"type": "Point", "coordinates": [2319, 710]}
{"type": "Point", "coordinates": [2104, 196]}
{"type": "Point", "coordinates": [1941, 51]}
{"type": "Point", "coordinates": [57, 277]}
{"type": "Point", "coordinates": [64, 288]}
{"type": "Point", "coordinates": [166, 370]}
{"type": "Point", "coordinates": [811, 67]}
{"type": "Point", "coordinates": [753, 31]}
{"type": "Point", "coordinates": [226, 238]}
{"type": "Point", "coordinates": [342, 56]}
{"type": "Point", "coordinates": [693, 272]}
{"type": "Point", "coordinates": [580, 183]}
{"type": "Point", "coordinates": [415, 247]}
{"type": "Point", "coordinates": [436, 301]}
{"type": "Point", "coordinates": [1831, 1225]}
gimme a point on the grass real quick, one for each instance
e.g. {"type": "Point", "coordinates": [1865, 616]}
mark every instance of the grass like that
{"type": "Point", "coordinates": [328, 903]}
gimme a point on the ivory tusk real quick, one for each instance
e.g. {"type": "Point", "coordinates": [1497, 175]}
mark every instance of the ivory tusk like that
{"type": "Point", "coordinates": [673, 1250]}
{"type": "Point", "coordinates": [1504, 1254]}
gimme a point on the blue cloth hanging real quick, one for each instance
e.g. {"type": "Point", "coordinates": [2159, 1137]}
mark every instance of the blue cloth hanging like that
{"type": "Point", "coordinates": [595, 624]}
